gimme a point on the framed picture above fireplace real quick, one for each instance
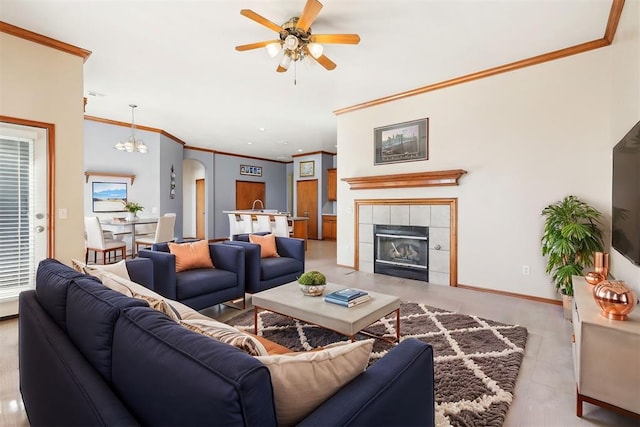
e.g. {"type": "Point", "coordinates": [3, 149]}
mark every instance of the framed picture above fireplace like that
{"type": "Point", "coordinates": [402, 142]}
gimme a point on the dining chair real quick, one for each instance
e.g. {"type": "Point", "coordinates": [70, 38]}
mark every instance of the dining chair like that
{"type": "Point", "coordinates": [97, 242]}
{"type": "Point", "coordinates": [282, 227]}
{"type": "Point", "coordinates": [164, 233]}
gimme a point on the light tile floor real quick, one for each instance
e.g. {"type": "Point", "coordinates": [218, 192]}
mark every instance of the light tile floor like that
{"type": "Point", "coordinates": [545, 390]}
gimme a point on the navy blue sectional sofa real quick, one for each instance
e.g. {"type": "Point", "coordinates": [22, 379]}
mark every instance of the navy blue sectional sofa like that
{"type": "Point", "coordinates": [90, 356]}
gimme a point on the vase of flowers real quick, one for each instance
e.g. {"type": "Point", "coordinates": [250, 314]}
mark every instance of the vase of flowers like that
{"type": "Point", "coordinates": [132, 208]}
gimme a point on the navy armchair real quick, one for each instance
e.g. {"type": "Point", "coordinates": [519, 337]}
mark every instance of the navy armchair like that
{"type": "Point", "coordinates": [265, 273]}
{"type": "Point", "coordinates": [202, 287]}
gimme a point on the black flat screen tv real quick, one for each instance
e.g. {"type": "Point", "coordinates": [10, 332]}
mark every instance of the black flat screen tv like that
{"type": "Point", "coordinates": [625, 235]}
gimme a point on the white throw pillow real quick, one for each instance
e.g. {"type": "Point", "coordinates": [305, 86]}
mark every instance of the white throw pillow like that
{"type": "Point", "coordinates": [303, 381]}
{"type": "Point", "coordinates": [136, 290]}
{"type": "Point", "coordinates": [119, 268]}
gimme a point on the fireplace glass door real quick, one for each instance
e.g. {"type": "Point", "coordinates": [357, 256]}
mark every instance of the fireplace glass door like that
{"type": "Point", "coordinates": [402, 251]}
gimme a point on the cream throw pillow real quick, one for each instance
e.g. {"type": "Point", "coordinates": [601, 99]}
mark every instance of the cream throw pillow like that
{"type": "Point", "coordinates": [303, 381]}
{"type": "Point", "coordinates": [226, 334]}
{"type": "Point", "coordinates": [119, 268]}
{"type": "Point", "coordinates": [136, 290]}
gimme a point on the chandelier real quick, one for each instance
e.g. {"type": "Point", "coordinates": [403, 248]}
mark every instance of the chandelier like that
{"type": "Point", "coordinates": [295, 44]}
{"type": "Point", "coordinates": [132, 144]}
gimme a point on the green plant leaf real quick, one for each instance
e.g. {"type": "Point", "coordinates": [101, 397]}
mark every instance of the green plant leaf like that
{"type": "Point", "coordinates": [571, 236]}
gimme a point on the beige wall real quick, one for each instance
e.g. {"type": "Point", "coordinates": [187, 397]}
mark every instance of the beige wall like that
{"type": "Point", "coordinates": [46, 85]}
{"type": "Point", "coordinates": [527, 139]}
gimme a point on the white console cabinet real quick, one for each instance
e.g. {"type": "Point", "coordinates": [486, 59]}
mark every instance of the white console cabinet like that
{"type": "Point", "coordinates": [606, 355]}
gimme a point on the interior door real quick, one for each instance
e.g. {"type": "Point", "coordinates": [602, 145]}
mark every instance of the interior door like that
{"type": "Point", "coordinates": [307, 204]}
{"type": "Point", "coordinates": [249, 191]}
{"type": "Point", "coordinates": [200, 209]}
{"type": "Point", "coordinates": [26, 232]}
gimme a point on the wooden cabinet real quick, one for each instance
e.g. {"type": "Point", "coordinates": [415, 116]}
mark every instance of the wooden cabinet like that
{"type": "Point", "coordinates": [301, 229]}
{"type": "Point", "coordinates": [605, 354]}
{"type": "Point", "coordinates": [329, 227]}
{"type": "Point", "coordinates": [332, 184]}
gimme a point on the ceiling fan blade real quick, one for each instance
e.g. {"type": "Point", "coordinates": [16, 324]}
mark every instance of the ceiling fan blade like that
{"type": "Point", "coordinates": [281, 69]}
{"type": "Point", "coordinates": [309, 14]}
{"type": "Point", "coordinates": [260, 20]}
{"type": "Point", "coordinates": [335, 38]}
{"type": "Point", "coordinates": [325, 62]}
{"type": "Point", "coordinates": [257, 45]}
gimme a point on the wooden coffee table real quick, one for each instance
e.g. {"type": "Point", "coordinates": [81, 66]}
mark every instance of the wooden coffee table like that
{"type": "Point", "coordinates": [289, 301]}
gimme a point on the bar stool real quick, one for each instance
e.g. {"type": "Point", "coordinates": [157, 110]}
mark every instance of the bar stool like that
{"type": "Point", "coordinates": [247, 223]}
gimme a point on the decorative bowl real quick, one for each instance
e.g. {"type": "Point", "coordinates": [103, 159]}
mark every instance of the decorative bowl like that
{"type": "Point", "coordinates": [312, 283]}
{"type": "Point", "coordinates": [312, 290]}
{"type": "Point", "coordinates": [594, 277]}
{"type": "Point", "coordinates": [615, 298]}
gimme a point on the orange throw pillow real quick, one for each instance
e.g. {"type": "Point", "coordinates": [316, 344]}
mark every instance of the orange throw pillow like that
{"type": "Point", "coordinates": [267, 244]}
{"type": "Point", "coordinates": [191, 255]}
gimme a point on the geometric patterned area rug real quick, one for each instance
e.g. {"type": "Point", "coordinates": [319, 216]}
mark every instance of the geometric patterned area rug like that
{"type": "Point", "coordinates": [476, 360]}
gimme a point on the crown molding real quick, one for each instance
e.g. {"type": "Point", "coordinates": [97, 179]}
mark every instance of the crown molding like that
{"type": "Point", "coordinates": [312, 154]}
{"type": "Point", "coordinates": [128, 125]}
{"type": "Point", "coordinates": [44, 40]}
{"type": "Point", "coordinates": [250, 157]}
{"type": "Point", "coordinates": [606, 40]}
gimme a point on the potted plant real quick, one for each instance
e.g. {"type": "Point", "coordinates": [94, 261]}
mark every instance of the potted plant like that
{"type": "Point", "coordinates": [570, 239]}
{"type": "Point", "coordinates": [312, 283]}
{"type": "Point", "coordinates": [133, 208]}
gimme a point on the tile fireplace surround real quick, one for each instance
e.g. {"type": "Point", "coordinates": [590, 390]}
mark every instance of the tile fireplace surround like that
{"type": "Point", "coordinates": [440, 215]}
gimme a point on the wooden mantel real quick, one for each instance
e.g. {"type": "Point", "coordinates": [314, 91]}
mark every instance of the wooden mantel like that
{"type": "Point", "coordinates": [89, 174]}
{"type": "Point", "coordinates": [403, 180]}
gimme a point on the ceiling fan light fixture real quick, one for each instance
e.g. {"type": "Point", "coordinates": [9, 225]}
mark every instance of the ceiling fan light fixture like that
{"type": "Point", "coordinates": [291, 42]}
{"type": "Point", "coordinates": [315, 49]}
{"type": "Point", "coordinates": [274, 49]}
{"type": "Point", "coordinates": [285, 61]}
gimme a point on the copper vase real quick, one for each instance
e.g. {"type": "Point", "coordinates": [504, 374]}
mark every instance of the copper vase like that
{"type": "Point", "coordinates": [615, 298]}
{"type": "Point", "coordinates": [601, 263]}
{"type": "Point", "coordinates": [593, 277]}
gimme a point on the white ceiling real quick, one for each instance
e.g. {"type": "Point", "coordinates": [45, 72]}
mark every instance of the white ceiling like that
{"type": "Point", "coordinates": [176, 59]}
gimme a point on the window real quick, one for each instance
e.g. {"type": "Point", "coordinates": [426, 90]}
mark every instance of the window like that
{"type": "Point", "coordinates": [17, 265]}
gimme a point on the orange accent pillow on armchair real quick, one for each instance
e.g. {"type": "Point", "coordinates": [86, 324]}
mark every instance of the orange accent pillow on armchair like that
{"type": "Point", "coordinates": [267, 244]}
{"type": "Point", "coordinates": [191, 255]}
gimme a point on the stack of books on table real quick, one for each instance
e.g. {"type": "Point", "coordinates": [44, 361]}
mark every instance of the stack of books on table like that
{"type": "Point", "coordinates": [347, 297]}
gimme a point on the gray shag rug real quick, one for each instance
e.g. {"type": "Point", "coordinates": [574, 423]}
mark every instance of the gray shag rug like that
{"type": "Point", "coordinates": [476, 360]}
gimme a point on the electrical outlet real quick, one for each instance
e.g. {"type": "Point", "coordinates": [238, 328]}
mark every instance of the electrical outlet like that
{"type": "Point", "coordinates": [525, 270]}
{"type": "Point", "coordinates": [62, 213]}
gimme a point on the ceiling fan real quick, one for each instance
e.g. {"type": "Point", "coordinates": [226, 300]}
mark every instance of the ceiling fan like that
{"type": "Point", "coordinates": [296, 41]}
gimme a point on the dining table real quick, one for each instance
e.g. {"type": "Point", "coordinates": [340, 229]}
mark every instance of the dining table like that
{"type": "Point", "coordinates": [122, 227]}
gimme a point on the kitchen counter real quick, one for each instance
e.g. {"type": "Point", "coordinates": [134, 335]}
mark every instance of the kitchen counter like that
{"type": "Point", "coordinates": [270, 212]}
{"type": "Point", "coordinates": [299, 224]}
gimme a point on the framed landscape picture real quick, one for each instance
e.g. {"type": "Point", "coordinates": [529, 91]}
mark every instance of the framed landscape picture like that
{"type": "Point", "coordinates": [402, 142]}
{"type": "Point", "coordinates": [109, 196]}
{"type": "Point", "coordinates": [307, 168]}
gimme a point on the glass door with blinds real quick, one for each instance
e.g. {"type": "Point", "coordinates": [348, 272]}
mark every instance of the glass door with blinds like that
{"type": "Point", "coordinates": [23, 209]}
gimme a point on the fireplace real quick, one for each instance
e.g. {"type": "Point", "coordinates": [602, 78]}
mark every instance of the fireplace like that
{"type": "Point", "coordinates": [402, 251]}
